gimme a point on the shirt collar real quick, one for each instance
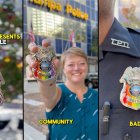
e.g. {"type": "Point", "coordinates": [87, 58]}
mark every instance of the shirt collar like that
{"type": "Point", "coordinates": [119, 40]}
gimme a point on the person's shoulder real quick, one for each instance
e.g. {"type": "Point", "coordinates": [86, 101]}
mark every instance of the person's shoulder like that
{"type": "Point", "coordinates": [64, 90]}
{"type": "Point", "coordinates": [93, 91]}
{"type": "Point", "coordinates": [60, 85]}
{"type": "Point", "coordinates": [135, 34]}
{"type": "Point", "coordinates": [93, 96]}
{"type": "Point", "coordinates": [135, 31]}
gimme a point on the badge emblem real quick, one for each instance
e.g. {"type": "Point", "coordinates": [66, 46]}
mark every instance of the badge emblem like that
{"type": "Point", "coordinates": [1, 83]}
{"type": "Point", "coordinates": [45, 68]}
{"type": "Point", "coordinates": [130, 94]}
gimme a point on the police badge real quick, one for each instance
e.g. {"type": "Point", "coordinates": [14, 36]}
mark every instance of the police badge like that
{"type": "Point", "coordinates": [130, 94]}
{"type": "Point", "coordinates": [1, 83]}
{"type": "Point", "coordinates": [45, 68]}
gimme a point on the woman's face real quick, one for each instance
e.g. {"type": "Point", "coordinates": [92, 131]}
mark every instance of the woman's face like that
{"type": "Point", "coordinates": [75, 68]}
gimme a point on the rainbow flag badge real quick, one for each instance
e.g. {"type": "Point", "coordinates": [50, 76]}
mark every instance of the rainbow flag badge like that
{"type": "Point", "coordinates": [130, 94]}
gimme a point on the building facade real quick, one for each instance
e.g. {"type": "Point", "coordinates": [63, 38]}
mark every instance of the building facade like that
{"type": "Point", "coordinates": [61, 20]}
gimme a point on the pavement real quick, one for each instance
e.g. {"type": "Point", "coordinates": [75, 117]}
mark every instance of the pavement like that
{"type": "Point", "coordinates": [30, 87]}
{"type": "Point", "coordinates": [34, 110]}
{"type": "Point", "coordinates": [30, 133]}
{"type": "Point", "coordinates": [11, 135]}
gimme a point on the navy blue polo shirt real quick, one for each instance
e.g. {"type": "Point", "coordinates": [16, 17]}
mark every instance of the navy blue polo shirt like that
{"type": "Point", "coordinates": [84, 116]}
{"type": "Point", "coordinates": [120, 49]}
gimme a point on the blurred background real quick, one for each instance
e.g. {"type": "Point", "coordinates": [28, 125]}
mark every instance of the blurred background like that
{"type": "Point", "coordinates": [127, 12]}
{"type": "Point", "coordinates": [11, 120]}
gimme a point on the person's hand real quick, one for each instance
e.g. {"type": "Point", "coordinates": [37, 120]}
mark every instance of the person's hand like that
{"type": "Point", "coordinates": [48, 90]}
{"type": "Point", "coordinates": [32, 63]}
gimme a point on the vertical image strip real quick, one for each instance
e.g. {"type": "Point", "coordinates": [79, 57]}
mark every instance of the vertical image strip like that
{"type": "Point", "coordinates": [61, 69]}
{"type": "Point", "coordinates": [11, 92]}
{"type": "Point", "coordinates": [119, 69]}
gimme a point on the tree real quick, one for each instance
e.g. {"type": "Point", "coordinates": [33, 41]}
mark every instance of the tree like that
{"type": "Point", "coordinates": [129, 14]}
{"type": "Point", "coordinates": [10, 60]}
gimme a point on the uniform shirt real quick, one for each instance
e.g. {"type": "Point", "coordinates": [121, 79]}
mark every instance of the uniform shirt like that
{"type": "Point", "coordinates": [120, 49]}
{"type": "Point", "coordinates": [84, 116]}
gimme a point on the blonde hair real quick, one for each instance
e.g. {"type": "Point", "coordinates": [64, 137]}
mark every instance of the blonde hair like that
{"type": "Point", "coordinates": [72, 51]}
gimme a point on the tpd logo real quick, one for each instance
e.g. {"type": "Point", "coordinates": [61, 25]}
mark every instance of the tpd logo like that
{"type": "Point", "coordinates": [3, 42]}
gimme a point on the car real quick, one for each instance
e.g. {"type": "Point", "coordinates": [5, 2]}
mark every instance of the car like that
{"type": "Point", "coordinates": [92, 80]}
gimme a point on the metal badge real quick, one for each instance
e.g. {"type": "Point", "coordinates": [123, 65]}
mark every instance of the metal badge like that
{"type": "Point", "coordinates": [1, 94]}
{"type": "Point", "coordinates": [130, 94]}
{"type": "Point", "coordinates": [45, 68]}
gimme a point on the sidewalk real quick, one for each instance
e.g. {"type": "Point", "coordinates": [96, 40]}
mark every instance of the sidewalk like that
{"type": "Point", "coordinates": [30, 87]}
{"type": "Point", "coordinates": [32, 134]}
{"type": "Point", "coordinates": [34, 110]}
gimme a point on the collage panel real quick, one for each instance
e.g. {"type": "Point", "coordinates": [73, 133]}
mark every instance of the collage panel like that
{"type": "Point", "coordinates": [69, 70]}
{"type": "Point", "coordinates": [11, 66]}
{"type": "Point", "coordinates": [61, 71]}
{"type": "Point", "coordinates": [119, 70]}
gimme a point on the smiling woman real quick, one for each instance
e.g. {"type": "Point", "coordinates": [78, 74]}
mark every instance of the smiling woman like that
{"type": "Point", "coordinates": [71, 100]}
{"type": "Point", "coordinates": [75, 68]}
{"type": "Point", "coordinates": [74, 61]}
